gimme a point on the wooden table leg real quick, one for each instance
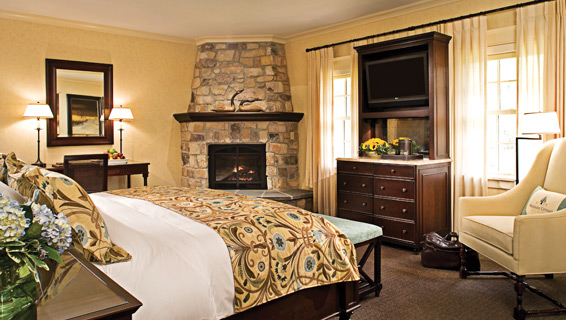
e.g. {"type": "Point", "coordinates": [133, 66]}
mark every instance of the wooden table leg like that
{"type": "Point", "coordinates": [129, 182]}
{"type": "Point", "coordinates": [145, 179]}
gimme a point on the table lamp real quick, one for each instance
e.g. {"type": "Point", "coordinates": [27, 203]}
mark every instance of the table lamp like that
{"type": "Point", "coordinates": [538, 123]}
{"type": "Point", "coordinates": [39, 111]}
{"type": "Point", "coordinates": [121, 113]}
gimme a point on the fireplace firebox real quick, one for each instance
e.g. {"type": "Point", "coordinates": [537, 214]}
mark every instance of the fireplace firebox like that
{"type": "Point", "coordinates": [236, 166]}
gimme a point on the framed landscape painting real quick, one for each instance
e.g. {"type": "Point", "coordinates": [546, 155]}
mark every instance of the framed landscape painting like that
{"type": "Point", "coordinates": [84, 115]}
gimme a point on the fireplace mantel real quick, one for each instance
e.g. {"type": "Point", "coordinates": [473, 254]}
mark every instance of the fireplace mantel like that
{"type": "Point", "coordinates": [238, 116]}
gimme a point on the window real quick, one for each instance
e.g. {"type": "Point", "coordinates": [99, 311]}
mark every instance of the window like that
{"type": "Point", "coordinates": [501, 116]}
{"type": "Point", "coordinates": [342, 113]}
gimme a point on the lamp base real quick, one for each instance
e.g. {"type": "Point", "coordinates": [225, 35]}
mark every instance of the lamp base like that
{"type": "Point", "coordinates": [39, 164]}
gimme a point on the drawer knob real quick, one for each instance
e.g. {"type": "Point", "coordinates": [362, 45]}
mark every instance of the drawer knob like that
{"type": "Point", "coordinates": [405, 231]}
{"type": "Point", "coordinates": [382, 187]}
{"type": "Point", "coordinates": [345, 183]}
{"type": "Point", "coordinates": [345, 201]}
{"type": "Point", "coordinates": [364, 204]}
{"type": "Point", "coordinates": [363, 185]}
{"type": "Point", "coordinates": [404, 210]}
{"type": "Point", "coordinates": [393, 171]}
{"type": "Point", "coordinates": [382, 208]}
{"type": "Point", "coordinates": [354, 168]}
{"type": "Point", "coordinates": [404, 190]}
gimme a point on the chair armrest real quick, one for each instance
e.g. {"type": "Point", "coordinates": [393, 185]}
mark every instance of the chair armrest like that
{"type": "Point", "coordinates": [539, 241]}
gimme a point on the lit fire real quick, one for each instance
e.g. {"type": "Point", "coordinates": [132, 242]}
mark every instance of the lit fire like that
{"type": "Point", "coordinates": [241, 169]}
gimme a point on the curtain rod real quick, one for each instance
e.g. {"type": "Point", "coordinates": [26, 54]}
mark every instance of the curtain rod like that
{"type": "Point", "coordinates": [519, 5]}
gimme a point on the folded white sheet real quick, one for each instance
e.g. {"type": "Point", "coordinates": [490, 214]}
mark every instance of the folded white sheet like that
{"type": "Point", "coordinates": [180, 268]}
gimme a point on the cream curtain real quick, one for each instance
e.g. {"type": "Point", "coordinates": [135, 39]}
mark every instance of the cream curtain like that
{"type": "Point", "coordinates": [469, 64]}
{"type": "Point", "coordinates": [320, 163]}
{"type": "Point", "coordinates": [540, 59]}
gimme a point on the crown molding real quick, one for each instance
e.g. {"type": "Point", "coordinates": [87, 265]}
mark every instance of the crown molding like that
{"type": "Point", "coordinates": [91, 27]}
{"type": "Point", "coordinates": [375, 17]}
{"type": "Point", "coordinates": [264, 38]}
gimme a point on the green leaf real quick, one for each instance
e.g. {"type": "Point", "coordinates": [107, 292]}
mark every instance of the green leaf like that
{"type": "Point", "coordinates": [33, 231]}
{"type": "Point", "coordinates": [16, 243]}
{"type": "Point", "coordinates": [38, 262]}
{"type": "Point", "coordinates": [31, 267]}
{"type": "Point", "coordinates": [28, 211]}
{"type": "Point", "coordinates": [53, 254]}
{"type": "Point", "coordinates": [16, 257]}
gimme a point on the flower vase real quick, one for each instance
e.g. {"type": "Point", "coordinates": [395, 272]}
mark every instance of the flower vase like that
{"type": "Point", "coordinates": [373, 154]}
{"type": "Point", "coordinates": [17, 290]}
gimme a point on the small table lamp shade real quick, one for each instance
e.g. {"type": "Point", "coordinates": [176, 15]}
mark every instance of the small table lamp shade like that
{"type": "Point", "coordinates": [121, 113]}
{"type": "Point", "coordinates": [540, 123]}
{"type": "Point", "coordinates": [39, 111]}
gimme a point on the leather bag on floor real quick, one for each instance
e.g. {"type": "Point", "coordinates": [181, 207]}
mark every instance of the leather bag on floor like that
{"type": "Point", "coordinates": [444, 253]}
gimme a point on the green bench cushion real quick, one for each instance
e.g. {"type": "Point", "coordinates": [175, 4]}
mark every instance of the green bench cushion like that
{"type": "Point", "coordinates": [356, 231]}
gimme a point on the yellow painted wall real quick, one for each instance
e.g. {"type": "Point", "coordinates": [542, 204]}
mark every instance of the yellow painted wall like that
{"type": "Point", "coordinates": [297, 57]}
{"type": "Point", "coordinates": [152, 77]}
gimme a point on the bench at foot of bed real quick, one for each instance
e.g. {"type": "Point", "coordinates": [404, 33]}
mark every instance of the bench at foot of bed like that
{"type": "Point", "coordinates": [362, 234]}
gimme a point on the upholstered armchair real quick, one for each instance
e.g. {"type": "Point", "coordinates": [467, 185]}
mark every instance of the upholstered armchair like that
{"type": "Point", "coordinates": [524, 244]}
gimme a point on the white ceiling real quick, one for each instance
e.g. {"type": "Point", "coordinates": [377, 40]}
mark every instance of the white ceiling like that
{"type": "Point", "coordinates": [194, 19]}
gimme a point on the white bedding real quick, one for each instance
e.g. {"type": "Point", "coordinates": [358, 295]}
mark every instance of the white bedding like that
{"type": "Point", "coordinates": [180, 268]}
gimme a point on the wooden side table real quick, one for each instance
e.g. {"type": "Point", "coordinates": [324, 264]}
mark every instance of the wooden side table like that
{"type": "Point", "coordinates": [81, 291]}
{"type": "Point", "coordinates": [123, 169]}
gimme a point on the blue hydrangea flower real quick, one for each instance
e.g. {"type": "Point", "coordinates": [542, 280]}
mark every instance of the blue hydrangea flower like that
{"type": "Point", "coordinates": [13, 222]}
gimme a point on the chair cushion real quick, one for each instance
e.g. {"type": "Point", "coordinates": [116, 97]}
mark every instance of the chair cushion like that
{"type": "Point", "coordinates": [356, 231]}
{"type": "Point", "coordinates": [496, 230]}
{"type": "Point", "coordinates": [544, 201]}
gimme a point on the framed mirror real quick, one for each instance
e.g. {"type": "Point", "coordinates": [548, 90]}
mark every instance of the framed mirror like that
{"type": "Point", "coordinates": [80, 96]}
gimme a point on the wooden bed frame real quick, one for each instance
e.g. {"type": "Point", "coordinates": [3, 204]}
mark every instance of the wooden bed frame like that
{"type": "Point", "coordinates": [324, 302]}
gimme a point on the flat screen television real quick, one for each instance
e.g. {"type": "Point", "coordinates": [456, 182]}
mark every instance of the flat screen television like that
{"type": "Point", "coordinates": [398, 81]}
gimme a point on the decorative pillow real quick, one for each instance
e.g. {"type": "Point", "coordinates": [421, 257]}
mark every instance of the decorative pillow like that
{"type": "Point", "coordinates": [3, 168]}
{"type": "Point", "coordinates": [11, 193]}
{"type": "Point", "coordinates": [543, 201]}
{"type": "Point", "coordinates": [72, 200]}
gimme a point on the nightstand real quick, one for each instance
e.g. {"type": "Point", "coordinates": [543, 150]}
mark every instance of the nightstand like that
{"type": "Point", "coordinates": [80, 290]}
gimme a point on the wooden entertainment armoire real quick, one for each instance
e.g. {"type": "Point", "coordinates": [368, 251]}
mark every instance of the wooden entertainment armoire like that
{"type": "Point", "coordinates": [407, 198]}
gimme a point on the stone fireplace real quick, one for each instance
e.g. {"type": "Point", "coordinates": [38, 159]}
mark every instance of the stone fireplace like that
{"type": "Point", "coordinates": [236, 166]}
{"type": "Point", "coordinates": [239, 75]}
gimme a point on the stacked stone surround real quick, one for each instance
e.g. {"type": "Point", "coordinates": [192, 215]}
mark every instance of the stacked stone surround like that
{"type": "Point", "coordinates": [282, 148]}
{"type": "Point", "coordinates": [258, 68]}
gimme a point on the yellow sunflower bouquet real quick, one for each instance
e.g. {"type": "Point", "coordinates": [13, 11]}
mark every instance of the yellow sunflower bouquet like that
{"type": "Point", "coordinates": [375, 144]}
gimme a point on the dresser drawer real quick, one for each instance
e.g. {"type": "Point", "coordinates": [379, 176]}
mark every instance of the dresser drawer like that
{"type": "Point", "coordinates": [355, 202]}
{"type": "Point", "coordinates": [394, 188]}
{"type": "Point", "coordinates": [393, 208]}
{"type": "Point", "coordinates": [396, 229]}
{"type": "Point", "coordinates": [394, 170]}
{"type": "Point", "coordinates": [361, 217]}
{"type": "Point", "coordinates": [360, 184]}
{"type": "Point", "coordinates": [355, 167]}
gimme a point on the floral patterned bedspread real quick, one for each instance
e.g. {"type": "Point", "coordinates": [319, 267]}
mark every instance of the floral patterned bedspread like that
{"type": "Point", "coordinates": [275, 248]}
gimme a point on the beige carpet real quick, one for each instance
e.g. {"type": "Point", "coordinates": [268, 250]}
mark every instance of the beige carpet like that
{"type": "Point", "coordinates": [411, 291]}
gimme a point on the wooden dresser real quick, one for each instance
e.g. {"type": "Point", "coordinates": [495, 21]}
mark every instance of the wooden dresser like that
{"type": "Point", "coordinates": [406, 198]}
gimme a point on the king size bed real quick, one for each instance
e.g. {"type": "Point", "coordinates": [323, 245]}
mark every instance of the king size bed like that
{"type": "Point", "coordinates": [197, 253]}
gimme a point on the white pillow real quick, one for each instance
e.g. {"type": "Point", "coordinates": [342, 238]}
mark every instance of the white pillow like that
{"type": "Point", "coordinates": [543, 201]}
{"type": "Point", "coordinates": [11, 193]}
